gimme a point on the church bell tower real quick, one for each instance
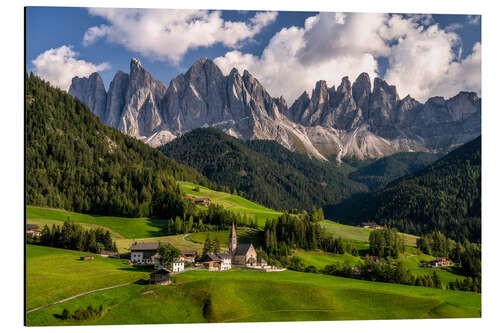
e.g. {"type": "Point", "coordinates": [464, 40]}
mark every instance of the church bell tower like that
{"type": "Point", "coordinates": [233, 242]}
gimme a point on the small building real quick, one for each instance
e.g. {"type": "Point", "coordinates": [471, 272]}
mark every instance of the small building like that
{"type": "Point", "coordinates": [32, 227]}
{"type": "Point", "coordinates": [160, 276]}
{"type": "Point", "coordinates": [178, 265]}
{"type": "Point", "coordinates": [198, 201]}
{"type": "Point", "coordinates": [109, 254]}
{"type": "Point", "coordinates": [142, 253]}
{"type": "Point", "coordinates": [85, 258]}
{"type": "Point", "coordinates": [189, 256]}
{"type": "Point", "coordinates": [218, 262]}
{"type": "Point", "coordinates": [202, 201]}
{"type": "Point", "coordinates": [439, 262]}
{"type": "Point", "coordinates": [371, 225]}
{"type": "Point", "coordinates": [33, 233]}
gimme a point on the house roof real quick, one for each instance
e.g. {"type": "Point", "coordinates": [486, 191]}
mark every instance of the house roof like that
{"type": "Point", "coordinates": [189, 252]}
{"type": "Point", "coordinates": [223, 255]}
{"type": "Point", "coordinates": [145, 246]}
{"type": "Point", "coordinates": [212, 256]}
{"type": "Point", "coordinates": [32, 226]}
{"type": "Point", "coordinates": [242, 249]}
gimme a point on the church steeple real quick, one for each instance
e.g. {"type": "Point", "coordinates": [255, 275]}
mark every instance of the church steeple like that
{"type": "Point", "coordinates": [233, 242]}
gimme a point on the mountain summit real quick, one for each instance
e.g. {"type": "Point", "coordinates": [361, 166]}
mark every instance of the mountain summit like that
{"type": "Point", "coordinates": [351, 121]}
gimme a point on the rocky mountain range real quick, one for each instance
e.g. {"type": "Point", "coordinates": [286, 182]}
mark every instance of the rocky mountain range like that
{"type": "Point", "coordinates": [350, 121]}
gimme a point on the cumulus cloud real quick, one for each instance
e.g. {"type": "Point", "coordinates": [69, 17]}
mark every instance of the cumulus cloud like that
{"type": "Point", "coordinates": [59, 66]}
{"type": "Point", "coordinates": [169, 34]}
{"type": "Point", "coordinates": [423, 59]}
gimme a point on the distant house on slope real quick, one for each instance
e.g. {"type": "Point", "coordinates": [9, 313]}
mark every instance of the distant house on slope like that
{"type": "Point", "coordinates": [198, 201]}
{"type": "Point", "coordinates": [438, 262]}
{"type": "Point", "coordinates": [371, 225]}
{"type": "Point", "coordinates": [142, 253]}
{"type": "Point", "coordinates": [32, 230]}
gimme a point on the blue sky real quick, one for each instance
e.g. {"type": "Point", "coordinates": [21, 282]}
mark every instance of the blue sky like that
{"type": "Point", "coordinates": [287, 51]}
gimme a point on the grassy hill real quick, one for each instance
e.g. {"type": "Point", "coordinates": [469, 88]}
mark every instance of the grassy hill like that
{"type": "Point", "coordinates": [245, 296]}
{"type": "Point", "coordinates": [53, 274]}
{"type": "Point", "coordinates": [122, 227]}
{"type": "Point", "coordinates": [232, 202]}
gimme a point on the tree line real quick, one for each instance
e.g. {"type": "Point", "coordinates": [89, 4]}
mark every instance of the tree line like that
{"type": "Point", "coordinates": [73, 236]}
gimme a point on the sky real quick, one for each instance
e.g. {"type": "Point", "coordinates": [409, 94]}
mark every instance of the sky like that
{"type": "Point", "coordinates": [288, 52]}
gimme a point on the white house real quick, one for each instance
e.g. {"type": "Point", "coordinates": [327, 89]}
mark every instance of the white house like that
{"type": "Point", "coordinates": [225, 261]}
{"type": "Point", "coordinates": [178, 265]}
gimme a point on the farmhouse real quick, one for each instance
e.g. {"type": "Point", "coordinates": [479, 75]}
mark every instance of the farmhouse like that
{"type": "Point", "coordinates": [241, 254]}
{"type": "Point", "coordinates": [189, 256]}
{"type": "Point", "coordinates": [218, 262]}
{"type": "Point", "coordinates": [32, 230]}
{"type": "Point", "coordinates": [199, 201]}
{"type": "Point", "coordinates": [178, 265]}
{"type": "Point", "coordinates": [439, 262]}
{"type": "Point", "coordinates": [142, 253]}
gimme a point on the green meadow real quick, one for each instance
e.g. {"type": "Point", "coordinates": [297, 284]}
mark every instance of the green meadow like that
{"type": "Point", "coordinates": [179, 241]}
{"type": "Point", "coordinates": [231, 202]}
{"type": "Point", "coordinates": [53, 274]}
{"type": "Point", "coordinates": [246, 296]}
{"type": "Point", "coordinates": [320, 259]}
{"type": "Point", "coordinates": [141, 227]}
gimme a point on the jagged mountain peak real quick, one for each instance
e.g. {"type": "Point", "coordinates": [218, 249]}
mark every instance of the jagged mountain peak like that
{"type": "Point", "coordinates": [350, 120]}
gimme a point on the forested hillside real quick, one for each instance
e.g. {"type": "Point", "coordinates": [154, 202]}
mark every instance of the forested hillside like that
{"type": "Point", "coordinates": [262, 171]}
{"type": "Point", "coordinates": [445, 196]}
{"type": "Point", "coordinates": [75, 162]}
{"type": "Point", "coordinates": [379, 173]}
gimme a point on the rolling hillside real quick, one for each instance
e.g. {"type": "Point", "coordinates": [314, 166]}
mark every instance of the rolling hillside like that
{"type": "Point", "coordinates": [75, 162]}
{"type": "Point", "coordinates": [239, 296]}
{"type": "Point", "coordinates": [444, 196]}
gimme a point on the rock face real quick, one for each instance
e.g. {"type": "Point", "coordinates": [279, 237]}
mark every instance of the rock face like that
{"type": "Point", "coordinates": [350, 121]}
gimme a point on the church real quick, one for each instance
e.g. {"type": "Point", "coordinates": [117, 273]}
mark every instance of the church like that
{"type": "Point", "coordinates": [241, 254]}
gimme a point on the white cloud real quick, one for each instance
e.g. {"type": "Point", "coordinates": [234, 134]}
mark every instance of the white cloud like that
{"type": "Point", "coordinates": [59, 66]}
{"type": "Point", "coordinates": [169, 34]}
{"type": "Point", "coordinates": [424, 60]}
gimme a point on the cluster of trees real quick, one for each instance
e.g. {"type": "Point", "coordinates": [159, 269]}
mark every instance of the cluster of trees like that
{"type": "Point", "coordinates": [75, 162]}
{"type": "Point", "coordinates": [383, 271]}
{"type": "Point", "coordinates": [168, 254]}
{"type": "Point", "coordinates": [73, 236]}
{"type": "Point", "coordinates": [445, 196]}
{"type": "Point", "coordinates": [287, 232]}
{"type": "Point", "coordinates": [216, 217]}
{"type": "Point", "coordinates": [83, 313]}
{"type": "Point", "coordinates": [467, 255]}
{"type": "Point", "coordinates": [262, 171]}
{"type": "Point", "coordinates": [210, 246]}
{"type": "Point", "coordinates": [386, 242]}
{"type": "Point", "coordinates": [468, 284]}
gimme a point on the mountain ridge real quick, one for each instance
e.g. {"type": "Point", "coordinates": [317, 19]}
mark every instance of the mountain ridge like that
{"type": "Point", "coordinates": [352, 120]}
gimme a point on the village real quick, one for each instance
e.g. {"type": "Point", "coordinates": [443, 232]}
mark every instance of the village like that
{"type": "Point", "coordinates": [239, 255]}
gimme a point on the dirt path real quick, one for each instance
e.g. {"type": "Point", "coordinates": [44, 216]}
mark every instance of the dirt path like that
{"type": "Point", "coordinates": [78, 295]}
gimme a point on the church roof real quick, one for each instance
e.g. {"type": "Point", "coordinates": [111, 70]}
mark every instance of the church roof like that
{"type": "Point", "coordinates": [242, 249]}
